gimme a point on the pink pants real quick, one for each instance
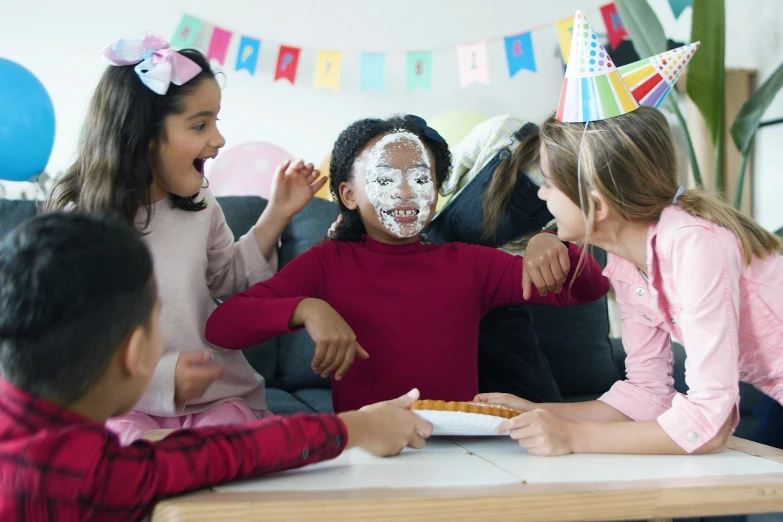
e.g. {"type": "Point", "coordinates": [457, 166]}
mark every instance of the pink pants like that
{"type": "Point", "coordinates": [132, 426]}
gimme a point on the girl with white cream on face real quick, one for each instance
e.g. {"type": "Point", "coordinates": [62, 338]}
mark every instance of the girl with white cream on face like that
{"type": "Point", "coordinates": [409, 310]}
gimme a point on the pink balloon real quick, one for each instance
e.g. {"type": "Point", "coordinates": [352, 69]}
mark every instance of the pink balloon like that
{"type": "Point", "coordinates": [246, 169]}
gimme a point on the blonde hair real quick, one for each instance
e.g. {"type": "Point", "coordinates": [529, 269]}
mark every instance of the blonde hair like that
{"type": "Point", "coordinates": [631, 161]}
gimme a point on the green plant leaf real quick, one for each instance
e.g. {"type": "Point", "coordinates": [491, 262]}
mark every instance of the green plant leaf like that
{"type": "Point", "coordinates": [706, 72]}
{"type": "Point", "coordinates": [747, 122]}
{"type": "Point", "coordinates": [779, 232]}
{"type": "Point", "coordinates": [643, 27]}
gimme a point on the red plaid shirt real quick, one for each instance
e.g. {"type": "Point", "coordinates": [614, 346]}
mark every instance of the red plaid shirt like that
{"type": "Point", "coordinates": [57, 465]}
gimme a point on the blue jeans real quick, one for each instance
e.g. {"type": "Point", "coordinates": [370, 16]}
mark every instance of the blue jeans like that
{"type": "Point", "coordinates": [769, 430]}
{"type": "Point", "coordinates": [509, 358]}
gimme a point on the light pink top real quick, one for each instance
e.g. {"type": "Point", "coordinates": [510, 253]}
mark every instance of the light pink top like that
{"type": "Point", "coordinates": [728, 316]}
{"type": "Point", "coordinates": [196, 260]}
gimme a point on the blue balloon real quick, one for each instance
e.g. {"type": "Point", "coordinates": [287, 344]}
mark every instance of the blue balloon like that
{"type": "Point", "coordinates": [26, 123]}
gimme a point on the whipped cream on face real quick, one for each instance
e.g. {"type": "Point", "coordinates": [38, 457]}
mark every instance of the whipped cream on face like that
{"type": "Point", "coordinates": [385, 184]}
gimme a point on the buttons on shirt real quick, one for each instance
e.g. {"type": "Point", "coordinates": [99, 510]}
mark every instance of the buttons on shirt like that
{"type": "Point", "coordinates": [640, 291]}
{"type": "Point", "coordinates": [504, 154]}
{"type": "Point", "coordinates": [693, 436]}
{"type": "Point", "coordinates": [338, 441]}
{"type": "Point", "coordinates": [305, 453]}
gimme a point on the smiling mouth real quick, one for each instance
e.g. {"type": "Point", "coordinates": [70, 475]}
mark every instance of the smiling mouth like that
{"type": "Point", "coordinates": [403, 215]}
{"type": "Point", "coordinates": [198, 164]}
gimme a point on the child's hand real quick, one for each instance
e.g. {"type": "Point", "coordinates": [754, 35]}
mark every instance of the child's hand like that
{"type": "Point", "coordinates": [385, 428]}
{"type": "Point", "coordinates": [506, 399]}
{"type": "Point", "coordinates": [193, 375]}
{"type": "Point", "coordinates": [335, 342]}
{"type": "Point", "coordinates": [546, 265]}
{"type": "Point", "coordinates": [293, 186]}
{"type": "Point", "coordinates": [541, 432]}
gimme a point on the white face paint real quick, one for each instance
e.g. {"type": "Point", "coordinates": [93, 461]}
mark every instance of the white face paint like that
{"type": "Point", "coordinates": [401, 197]}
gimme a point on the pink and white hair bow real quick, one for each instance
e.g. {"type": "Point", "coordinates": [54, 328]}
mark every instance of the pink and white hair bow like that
{"type": "Point", "coordinates": [158, 66]}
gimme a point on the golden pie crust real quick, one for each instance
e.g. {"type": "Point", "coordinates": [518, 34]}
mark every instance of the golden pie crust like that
{"type": "Point", "coordinates": [484, 408]}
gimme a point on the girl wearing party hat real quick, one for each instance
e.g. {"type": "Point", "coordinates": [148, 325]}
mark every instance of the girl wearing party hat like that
{"type": "Point", "coordinates": [683, 264]}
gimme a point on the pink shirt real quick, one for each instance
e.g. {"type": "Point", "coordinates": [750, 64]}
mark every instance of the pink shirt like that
{"type": "Point", "coordinates": [196, 261]}
{"type": "Point", "coordinates": [729, 317]}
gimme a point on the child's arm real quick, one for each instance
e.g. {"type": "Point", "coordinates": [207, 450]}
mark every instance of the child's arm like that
{"type": "Point", "coordinates": [287, 302]}
{"type": "Point", "coordinates": [129, 480]}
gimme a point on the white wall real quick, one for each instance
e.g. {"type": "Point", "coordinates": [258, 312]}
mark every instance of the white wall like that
{"type": "Point", "coordinates": [60, 42]}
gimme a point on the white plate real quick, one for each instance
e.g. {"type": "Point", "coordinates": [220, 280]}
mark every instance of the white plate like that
{"type": "Point", "coordinates": [460, 423]}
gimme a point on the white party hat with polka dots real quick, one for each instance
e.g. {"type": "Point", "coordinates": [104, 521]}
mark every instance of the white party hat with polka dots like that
{"type": "Point", "coordinates": [651, 79]}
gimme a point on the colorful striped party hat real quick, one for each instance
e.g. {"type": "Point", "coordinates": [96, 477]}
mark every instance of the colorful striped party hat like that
{"type": "Point", "coordinates": [592, 89]}
{"type": "Point", "coordinates": [651, 79]}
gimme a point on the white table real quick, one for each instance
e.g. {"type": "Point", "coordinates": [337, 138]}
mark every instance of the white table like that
{"type": "Point", "coordinates": [493, 479]}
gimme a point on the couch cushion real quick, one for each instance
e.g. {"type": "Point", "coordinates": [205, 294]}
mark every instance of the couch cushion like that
{"type": "Point", "coordinates": [296, 350]}
{"type": "Point", "coordinates": [575, 339]}
{"type": "Point", "coordinates": [318, 399]}
{"type": "Point", "coordinates": [13, 212]}
{"type": "Point", "coordinates": [281, 402]}
{"type": "Point", "coordinates": [241, 213]}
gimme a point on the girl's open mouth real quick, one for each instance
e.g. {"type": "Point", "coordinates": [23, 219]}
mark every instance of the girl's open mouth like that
{"type": "Point", "coordinates": [198, 164]}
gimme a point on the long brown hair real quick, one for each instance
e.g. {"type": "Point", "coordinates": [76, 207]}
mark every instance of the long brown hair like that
{"type": "Point", "coordinates": [632, 162]}
{"type": "Point", "coordinates": [113, 168]}
{"type": "Point", "coordinates": [504, 180]}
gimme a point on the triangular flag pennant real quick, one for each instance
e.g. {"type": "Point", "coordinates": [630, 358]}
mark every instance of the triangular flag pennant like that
{"type": "Point", "coordinates": [419, 70]}
{"type": "Point", "coordinates": [519, 53]}
{"type": "Point", "coordinates": [287, 62]}
{"type": "Point", "coordinates": [651, 79]}
{"type": "Point", "coordinates": [247, 55]}
{"type": "Point", "coordinates": [592, 87]}
{"type": "Point", "coordinates": [186, 32]}
{"type": "Point", "coordinates": [564, 28]}
{"type": "Point", "coordinates": [218, 45]}
{"type": "Point", "coordinates": [678, 6]}
{"type": "Point", "coordinates": [327, 70]}
{"type": "Point", "coordinates": [614, 25]}
{"type": "Point", "coordinates": [372, 71]}
{"type": "Point", "coordinates": [472, 60]}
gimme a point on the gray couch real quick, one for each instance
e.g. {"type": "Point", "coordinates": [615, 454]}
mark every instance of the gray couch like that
{"type": "Point", "coordinates": [583, 360]}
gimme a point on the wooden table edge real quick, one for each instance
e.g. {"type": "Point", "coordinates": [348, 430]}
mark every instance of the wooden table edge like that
{"type": "Point", "coordinates": [616, 500]}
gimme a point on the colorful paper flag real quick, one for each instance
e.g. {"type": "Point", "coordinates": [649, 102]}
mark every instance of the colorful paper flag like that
{"type": "Point", "coordinates": [247, 55]}
{"type": "Point", "coordinates": [564, 28]}
{"type": "Point", "coordinates": [472, 61]}
{"type": "Point", "coordinates": [327, 70]}
{"type": "Point", "coordinates": [287, 62]}
{"type": "Point", "coordinates": [372, 71]}
{"type": "Point", "coordinates": [419, 70]}
{"type": "Point", "coordinates": [678, 6]}
{"type": "Point", "coordinates": [614, 25]}
{"type": "Point", "coordinates": [519, 53]}
{"type": "Point", "coordinates": [218, 45]}
{"type": "Point", "coordinates": [186, 32]}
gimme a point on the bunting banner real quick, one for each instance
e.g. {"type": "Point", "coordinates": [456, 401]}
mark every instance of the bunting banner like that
{"type": "Point", "coordinates": [678, 6]}
{"type": "Point", "coordinates": [247, 55]}
{"type": "Point", "coordinates": [218, 45]}
{"type": "Point", "coordinates": [327, 70]}
{"type": "Point", "coordinates": [287, 62]}
{"type": "Point", "coordinates": [372, 71]}
{"type": "Point", "coordinates": [615, 29]}
{"type": "Point", "coordinates": [419, 70]}
{"type": "Point", "coordinates": [564, 29]}
{"type": "Point", "coordinates": [472, 62]}
{"type": "Point", "coordinates": [186, 33]}
{"type": "Point", "coordinates": [519, 53]}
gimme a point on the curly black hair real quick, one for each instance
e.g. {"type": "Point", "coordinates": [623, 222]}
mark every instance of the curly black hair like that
{"type": "Point", "coordinates": [350, 144]}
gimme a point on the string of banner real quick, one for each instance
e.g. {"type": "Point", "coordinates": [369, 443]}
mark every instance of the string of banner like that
{"type": "Point", "coordinates": [472, 60]}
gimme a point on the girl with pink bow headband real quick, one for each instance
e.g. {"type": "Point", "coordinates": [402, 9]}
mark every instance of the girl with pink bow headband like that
{"type": "Point", "coordinates": [151, 127]}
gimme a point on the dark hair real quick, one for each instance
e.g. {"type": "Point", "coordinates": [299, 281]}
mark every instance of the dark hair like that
{"type": "Point", "coordinates": [113, 168]}
{"type": "Point", "coordinates": [350, 144]}
{"type": "Point", "coordinates": [504, 179]}
{"type": "Point", "coordinates": [72, 286]}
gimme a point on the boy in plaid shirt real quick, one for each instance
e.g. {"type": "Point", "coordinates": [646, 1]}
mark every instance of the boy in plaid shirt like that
{"type": "Point", "coordinates": [79, 341]}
